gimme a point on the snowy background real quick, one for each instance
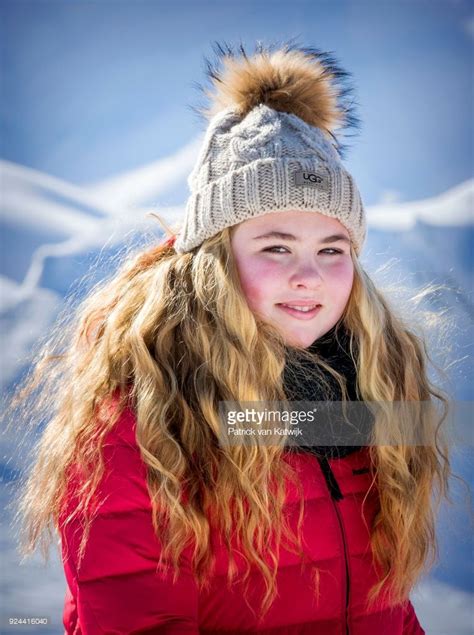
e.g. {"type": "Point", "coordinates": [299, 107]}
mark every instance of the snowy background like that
{"type": "Point", "coordinates": [96, 132]}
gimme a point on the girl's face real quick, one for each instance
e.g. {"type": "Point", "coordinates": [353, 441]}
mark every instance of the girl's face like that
{"type": "Point", "coordinates": [296, 271]}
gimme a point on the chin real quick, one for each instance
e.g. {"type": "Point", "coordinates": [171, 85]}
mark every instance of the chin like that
{"type": "Point", "coordinates": [303, 340]}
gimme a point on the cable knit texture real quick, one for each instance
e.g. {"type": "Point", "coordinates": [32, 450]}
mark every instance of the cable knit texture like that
{"type": "Point", "coordinates": [269, 161]}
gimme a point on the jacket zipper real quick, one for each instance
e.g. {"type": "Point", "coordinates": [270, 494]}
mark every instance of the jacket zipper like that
{"type": "Point", "coordinates": [348, 586]}
{"type": "Point", "coordinates": [335, 496]}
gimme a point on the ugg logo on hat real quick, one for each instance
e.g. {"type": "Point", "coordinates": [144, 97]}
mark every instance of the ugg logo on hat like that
{"type": "Point", "coordinates": [311, 178]}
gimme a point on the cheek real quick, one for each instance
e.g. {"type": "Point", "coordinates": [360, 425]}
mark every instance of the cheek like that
{"type": "Point", "coordinates": [259, 280]}
{"type": "Point", "coordinates": [339, 279]}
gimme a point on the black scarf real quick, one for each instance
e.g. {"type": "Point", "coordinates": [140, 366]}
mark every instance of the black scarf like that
{"type": "Point", "coordinates": [333, 347]}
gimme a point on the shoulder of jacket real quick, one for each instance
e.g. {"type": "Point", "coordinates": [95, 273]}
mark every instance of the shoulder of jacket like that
{"type": "Point", "coordinates": [124, 429]}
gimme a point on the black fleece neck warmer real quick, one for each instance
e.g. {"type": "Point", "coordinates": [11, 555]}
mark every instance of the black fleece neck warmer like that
{"type": "Point", "coordinates": [333, 347]}
{"type": "Point", "coordinates": [334, 350]}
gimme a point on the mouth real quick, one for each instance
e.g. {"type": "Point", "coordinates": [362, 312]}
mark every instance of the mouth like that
{"type": "Point", "coordinates": [300, 311]}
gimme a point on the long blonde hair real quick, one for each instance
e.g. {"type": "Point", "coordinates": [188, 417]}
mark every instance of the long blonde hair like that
{"type": "Point", "coordinates": [173, 335]}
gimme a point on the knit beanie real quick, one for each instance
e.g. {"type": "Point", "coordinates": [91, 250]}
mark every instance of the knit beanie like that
{"type": "Point", "coordinates": [270, 144]}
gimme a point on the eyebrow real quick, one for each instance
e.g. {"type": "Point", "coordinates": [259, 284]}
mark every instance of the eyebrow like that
{"type": "Point", "coordinates": [327, 239]}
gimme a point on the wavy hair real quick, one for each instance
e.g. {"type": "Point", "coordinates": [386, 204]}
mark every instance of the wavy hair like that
{"type": "Point", "coordinates": [172, 335]}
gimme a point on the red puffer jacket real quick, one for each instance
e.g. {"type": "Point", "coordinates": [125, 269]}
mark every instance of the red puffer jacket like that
{"type": "Point", "coordinates": [117, 589]}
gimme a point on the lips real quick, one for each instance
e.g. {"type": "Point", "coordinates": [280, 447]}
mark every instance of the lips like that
{"type": "Point", "coordinates": [300, 307]}
{"type": "Point", "coordinates": [302, 310]}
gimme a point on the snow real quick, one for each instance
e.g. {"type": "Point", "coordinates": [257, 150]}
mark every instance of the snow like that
{"type": "Point", "coordinates": [24, 319]}
{"type": "Point", "coordinates": [452, 208]}
{"type": "Point", "coordinates": [141, 186]}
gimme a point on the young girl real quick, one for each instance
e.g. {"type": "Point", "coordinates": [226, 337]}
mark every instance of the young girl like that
{"type": "Point", "coordinates": [167, 527]}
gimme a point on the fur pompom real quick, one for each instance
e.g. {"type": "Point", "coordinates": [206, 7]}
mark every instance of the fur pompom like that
{"type": "Point", "coordinates": [303, 81]}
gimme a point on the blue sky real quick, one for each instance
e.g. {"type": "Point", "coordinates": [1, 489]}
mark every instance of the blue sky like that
{"type": "Point", "coordinates": [91, 89]}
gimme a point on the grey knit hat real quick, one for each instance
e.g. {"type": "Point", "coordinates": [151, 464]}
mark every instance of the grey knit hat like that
{"type": "Point", "coordinates": [270, 145]}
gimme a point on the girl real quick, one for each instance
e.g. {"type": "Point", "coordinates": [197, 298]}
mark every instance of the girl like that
{"type": "Point", "coordinates": [165, 525]}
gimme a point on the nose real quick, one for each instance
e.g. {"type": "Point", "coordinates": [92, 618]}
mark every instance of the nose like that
{"type": "Point", "coordinates": [306, 276]}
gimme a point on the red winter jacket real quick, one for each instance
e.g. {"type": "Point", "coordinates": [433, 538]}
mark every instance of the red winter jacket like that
{"type": "Point", "coordinates": [117, 589]}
